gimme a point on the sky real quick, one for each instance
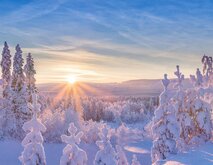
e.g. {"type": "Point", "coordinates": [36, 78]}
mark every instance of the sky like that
{"type": "Point", "coordinates": [109, 41]}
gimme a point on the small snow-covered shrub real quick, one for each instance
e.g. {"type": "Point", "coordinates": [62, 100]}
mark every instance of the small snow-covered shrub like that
{"type": "Point", "coordinates": [55, 124]}
{"type": "Point", "coordinates": [134, 160]}
{"type": "Point", "coordinates": [124, 135]}
{"type": "Point", "coordinates": [57, 121]}
{"type": "Point", "coordinates": [91, 131]}
{"type": "Point", "coordinates": [119, 138]}
{"type": "Point", "coordinates": [72, 154]}
{"type": "Point", "coordinates": [92, 108]}
{"type": "Point", "coordinates": [122, 160]}
{"type": "Point", "coordinates": [132, 112]}
{"type": "Point", "coordinates": [106, 155]}
{"type": "Point", "coordinates": [108, 114]}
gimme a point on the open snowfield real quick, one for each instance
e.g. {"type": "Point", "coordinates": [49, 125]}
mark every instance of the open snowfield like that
{"type": "Point", "coordinates": [198, 156]}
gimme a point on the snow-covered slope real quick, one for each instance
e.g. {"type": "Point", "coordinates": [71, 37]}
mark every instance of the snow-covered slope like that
{"type": "Point", "coordinates": [10, 150]}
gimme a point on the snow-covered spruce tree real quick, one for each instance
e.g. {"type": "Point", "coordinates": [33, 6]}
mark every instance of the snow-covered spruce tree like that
{"type": "Point", "coordinates": [106, 155]}
{"type": "Point", "coordinates": [29, 71]}
{"type": "Point", "coordinates": [207, 67]}
{"type": "Point", "coordinates": [165, 130]}
{"type": "Point", "coordinates": [33, 153]}
{"type": "Point", "coordinates": [134, 160]}
{"type": "Point", "coordinates": [208, 72]}
{"type": "Point", "coordinates": [6, 73]}
{"type": "Point", "coordinates": [199, 112]}
{"type": "Point", "coordinates": [17, 74]}
{"type": "Point", "coordinates": [72, 154]}
{"type": "Point", "coordinates": [6, 77]}
{"type": "Point", "coordinates": [192, 113]}
{"type": "Point", "coordinates": [18, 97]}
{"type": "Point", "coordinates": [198, 80]}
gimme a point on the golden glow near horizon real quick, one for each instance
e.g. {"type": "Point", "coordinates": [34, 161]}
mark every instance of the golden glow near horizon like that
{"type": "Point", "coordinates": [71, 79]}
{"type": "Point", "coordinates": [91, 67]}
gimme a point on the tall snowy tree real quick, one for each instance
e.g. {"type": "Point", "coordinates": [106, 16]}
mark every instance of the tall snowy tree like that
{"type": "Point", "coordinates": [208, 72]}
{"type": "Point", "coordinates": [199, 112]}
{"type": "Point", "coordinates": [33, 153]}
{"type": "Point", "coordinates": [72, 154]}
{"type": "Point", "coordinates": [192, 113]}
{"type": "Point", "coordinates": [207, 65]}
{"type": "Point", "coordinates": [6, 67]}
{"type": "Point", "coordinates": [165, 129]}
{"type": "Point", "coordinates": [29, 71]}
{"type": "Point", "coordinates": [6, 115]}
{"type": "Point", "coordinates": [18, 98]}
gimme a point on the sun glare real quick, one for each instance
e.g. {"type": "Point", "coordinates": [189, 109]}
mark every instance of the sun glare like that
{"type": "Point", "coordinates": [71, 79]}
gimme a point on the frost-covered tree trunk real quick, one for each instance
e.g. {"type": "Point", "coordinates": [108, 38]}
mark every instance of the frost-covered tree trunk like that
{"type": "Point", "coordinates": [29, 71]}
{"type": "Point", "coordinates": [33, 153]}
{"type": "Point", "coordinates": [72, 154]}
{"type": "Point", "coordinates": [106, 155]}
{"type": "Point", "coordinates": [164, 127]}
{"type": "Point", "coordinates": [18, 96]}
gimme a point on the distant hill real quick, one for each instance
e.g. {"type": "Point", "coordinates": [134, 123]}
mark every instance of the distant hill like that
{"type": "Point", "coordinates": [140, 87]}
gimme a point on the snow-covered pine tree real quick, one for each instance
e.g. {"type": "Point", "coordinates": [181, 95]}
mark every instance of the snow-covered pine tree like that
{"type": "Point", "coordinates": [29, 71]}
{"type": "Point", "coordinates": [199, 112]}
{"type": "Point", "coordinates": [134, 160]}
{"type": "Point", "coordinates": [165, 130]}
{"type": "Point", "coordinates": [72, 154]}
{"type": "Point", "coordinates": [33, 153]}
{"type": "Point", "coordinates": [18, 97]}
{"type": "Point", "coordinates": [106, 155]}
{"type": "Point", "coordinates": [6, 73]}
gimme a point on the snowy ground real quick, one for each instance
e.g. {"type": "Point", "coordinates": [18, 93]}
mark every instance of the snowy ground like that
{"type": "Point", "coordinates": [10, 150]}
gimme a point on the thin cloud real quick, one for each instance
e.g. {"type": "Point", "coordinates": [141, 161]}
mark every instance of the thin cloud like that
{"type": "Point", "coordinates": [35, 9]}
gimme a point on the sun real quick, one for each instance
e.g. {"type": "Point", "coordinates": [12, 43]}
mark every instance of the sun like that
{"type": "Point", "coordinates": [71, 79]}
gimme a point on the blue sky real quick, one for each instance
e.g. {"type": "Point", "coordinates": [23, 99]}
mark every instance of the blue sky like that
{"type": "Point", "coordinates": [109, 41]}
